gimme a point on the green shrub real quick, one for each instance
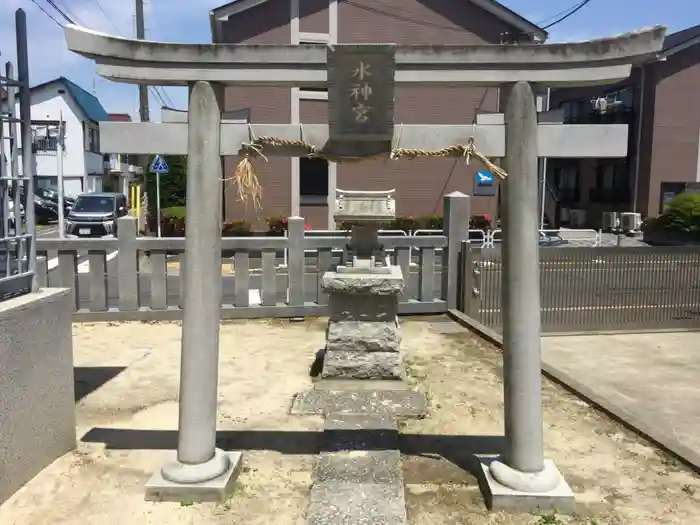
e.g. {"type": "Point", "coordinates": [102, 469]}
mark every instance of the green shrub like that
{"type": "Point", "coordinates": [431, 222]}
{"type": "Point", "coordinates": [683, 212]}
{"type": "Point", "coordinates": [407, 224]}
{"type": "Point", "coordinates": [174, 212]}
{"type": "Point", "coordinates": [276, 224]}
{"type": "Point", "coordinates": [480, 222]}
{"type": "Point", "coordinates": [173, 221]}
{"type": "Point", "coordinates": [236, 229]}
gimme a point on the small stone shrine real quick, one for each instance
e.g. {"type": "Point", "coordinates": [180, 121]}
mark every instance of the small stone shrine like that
{"type": "Point", "coordinates": [363, 339]}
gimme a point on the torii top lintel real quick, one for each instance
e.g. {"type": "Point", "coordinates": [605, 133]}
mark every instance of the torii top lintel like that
{"type": "Point", "coordinates": [581, 63]}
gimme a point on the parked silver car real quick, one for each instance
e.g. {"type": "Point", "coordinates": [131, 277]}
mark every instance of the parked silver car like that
{"type": "Point", "coordinates": [96, 214]}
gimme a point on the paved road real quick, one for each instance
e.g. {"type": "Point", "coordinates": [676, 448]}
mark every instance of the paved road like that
{"type": "Point", "coordinates": [650, 381]}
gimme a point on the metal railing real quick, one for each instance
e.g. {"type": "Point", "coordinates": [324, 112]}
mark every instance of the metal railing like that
{"type": "Point", "coordinates": [577, 237]}
{"type": "Point", "coordinates": [343, 235]}
{"type": "Point", "coordinates": [16, 218]}
{"type": "Point", "coordinates": [585, 289]}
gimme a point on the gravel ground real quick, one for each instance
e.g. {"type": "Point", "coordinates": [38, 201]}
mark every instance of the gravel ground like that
{"type": "Point", "coordinates": [618, 478]}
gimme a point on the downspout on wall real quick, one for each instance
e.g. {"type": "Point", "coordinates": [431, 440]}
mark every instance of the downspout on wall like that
{"type": "Point", "coordinates": [640, 123]}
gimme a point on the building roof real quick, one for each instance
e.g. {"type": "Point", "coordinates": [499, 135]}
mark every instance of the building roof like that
{"type": "Point", "coordinates": [88, 103]}
{"type": "Point", "coordinates": [222, 13]}
{"type": "Point", "coordinates": [681, 40]}
{"type": "Point", "coordinates": [119, 117]}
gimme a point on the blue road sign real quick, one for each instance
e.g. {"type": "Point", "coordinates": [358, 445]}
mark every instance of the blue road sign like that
{"type": "Point", "coordinates": [484, 184]}
{"type": "Point", "coordinates": [159, 165]}
{"type": "Point", "coordinates": [484, 178]}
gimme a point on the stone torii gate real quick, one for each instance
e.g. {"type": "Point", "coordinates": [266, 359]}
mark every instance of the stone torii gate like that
{"type": "Point", "coordinates": [200, 470]}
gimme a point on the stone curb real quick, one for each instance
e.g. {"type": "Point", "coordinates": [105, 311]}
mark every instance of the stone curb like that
{"type": "Point", "coordinates": [658, 437]}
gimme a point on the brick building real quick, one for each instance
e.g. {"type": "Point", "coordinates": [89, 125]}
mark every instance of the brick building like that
{"type": "Point", "coordinates": [306, 186]}
{"type": "Point", "coordinates": [661, 103]}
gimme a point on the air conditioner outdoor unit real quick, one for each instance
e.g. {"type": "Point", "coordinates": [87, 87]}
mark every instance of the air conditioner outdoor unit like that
{"type": "Point", "coordinates": [611, 221]}
{"type": "Point", "coordinates": [602, 105]}
{"type": "Point", "coordinates": [630, 222]}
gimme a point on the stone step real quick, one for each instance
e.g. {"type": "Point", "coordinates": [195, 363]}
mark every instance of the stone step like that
{"type": "Point", "coordinates": [359, 467]}
{"type": "Point", "coordinates": [397, 403]}
{"type": "Point", "coordinates": [345, 364]}
{"type": "Point", "coordinates": [347, 503]}
{"type": "Point", "coordinates": [360, 432]}
{"type": "Point", "coordinates": [359, 385]}
{"type": "Point", "coordinates": [354, 484]}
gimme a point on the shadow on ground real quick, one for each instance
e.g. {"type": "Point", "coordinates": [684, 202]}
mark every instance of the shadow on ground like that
{"type": "Point", "coordinates": [87, 379]}
{"type": "Point", "coordinates": [462, 451]}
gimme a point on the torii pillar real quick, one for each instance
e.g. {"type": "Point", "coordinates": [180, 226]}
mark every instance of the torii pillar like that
{"type": "Point", "coordinates": [522, 480]}
{"type": "Point", "coordinates": [201, 472]}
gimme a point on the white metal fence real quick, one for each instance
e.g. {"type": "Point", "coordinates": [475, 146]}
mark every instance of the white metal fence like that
{"type": "Point", "coordinates": [479, 238]}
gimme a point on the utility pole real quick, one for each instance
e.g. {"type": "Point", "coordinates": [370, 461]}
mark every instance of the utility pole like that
{"type": "Point", "coordinates": [59, 168]}
{"type": "Point", "coordinates": [143, 88]}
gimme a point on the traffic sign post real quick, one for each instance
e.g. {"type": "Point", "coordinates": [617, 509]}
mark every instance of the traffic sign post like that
{"type": "Point", "coordinates": [484, 184]}
{"type": "Point", "coordinates": [159, 166]}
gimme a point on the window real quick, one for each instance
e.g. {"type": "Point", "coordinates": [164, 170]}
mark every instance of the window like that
{"type": "Point", "coordinates": [573, 110]}
{"type": "Point", "coordinates": [612, 182]}
{"type": "Point", "coordinates": [313, 181]}
{"type": "Point", "coordinates": [44, 135]}
{"type": "Point", "coordinates": [566, 179]}
{"type": "Point", "coordinates": [92, 138]}
{"type": "Point", "coordinates": [94, 204]}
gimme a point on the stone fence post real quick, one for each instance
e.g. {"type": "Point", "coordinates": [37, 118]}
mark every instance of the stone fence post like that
{"type": "Point", "coordinates": [127, 264]}
{"type": "Point", "coordinates": [456, 212]}
{"type": "Point", "coordinates": [296, 262]}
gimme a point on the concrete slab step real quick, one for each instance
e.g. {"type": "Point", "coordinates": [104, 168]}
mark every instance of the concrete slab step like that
{"type": "Point", "coordinates": [360, 432]}
{"type": "Point", "coordinates": [398, 403]}
{"type": "Point", "coordinates": [359, 467]}
{"type": "Point", "coordinates": [343, 503]}
{"type": "Point", "coordinates": [359, 385]}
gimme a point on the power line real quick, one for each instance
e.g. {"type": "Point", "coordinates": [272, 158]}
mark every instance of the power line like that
{"type": "Point", "coordinates": [71, 13]}
{"type": "Point", "coordinates": [572, 12]}
{"type": "Point", "coordinates": [68, 19]}
{"type": "Point", "coordinates": [99, 6]}
{"type": "Point", "coordinates": [396, 16]}
{"type": "Point", "coordinates": [46, 12]}
{"type": "Point", "coordinates": [60, 11]}
{"type": "Point", "coordinates": [153, 89]}
{"type": "Point", "coordinates": [555, 15]}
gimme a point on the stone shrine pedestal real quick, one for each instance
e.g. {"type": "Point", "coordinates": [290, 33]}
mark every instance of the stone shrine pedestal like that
{"type": "Point", "coordinates": [363, 338]}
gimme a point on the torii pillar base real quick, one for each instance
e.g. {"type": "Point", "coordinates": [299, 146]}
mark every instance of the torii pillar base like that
{"type": "Point", "coordinates": [217, 489]}
{"type": "Point", "coordinates": [500, 497]}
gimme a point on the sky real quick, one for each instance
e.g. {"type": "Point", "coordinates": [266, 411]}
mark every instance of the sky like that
{"type": "Point", "coordinates": [188, 21]}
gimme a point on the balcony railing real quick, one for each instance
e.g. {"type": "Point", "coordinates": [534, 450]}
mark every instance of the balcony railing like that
{"type": "Point", "coordinates": [46, 145]}
{"type": "Point", "coordinates": [612, 117]}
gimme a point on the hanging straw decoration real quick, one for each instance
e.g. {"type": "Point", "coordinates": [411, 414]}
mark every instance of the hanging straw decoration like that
{"type": "Point", "coordinates": [249, 189]}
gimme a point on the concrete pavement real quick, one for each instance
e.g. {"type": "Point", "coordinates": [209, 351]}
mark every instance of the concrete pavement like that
{"type": "Point", "coordinates": [650, 381]}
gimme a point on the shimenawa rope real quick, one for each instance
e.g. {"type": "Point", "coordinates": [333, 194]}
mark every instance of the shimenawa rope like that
{"type": "Point", "coordinates": [248, 186]}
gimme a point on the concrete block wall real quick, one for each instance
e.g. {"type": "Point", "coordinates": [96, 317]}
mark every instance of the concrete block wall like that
{"type": "Point", "coordinates": [37, 400]}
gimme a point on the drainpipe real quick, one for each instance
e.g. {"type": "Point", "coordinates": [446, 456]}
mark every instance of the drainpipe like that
{"type": "Point", "coordinates": [543, 171]}
{"type": "Point", "coordinates": [640, 121]}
